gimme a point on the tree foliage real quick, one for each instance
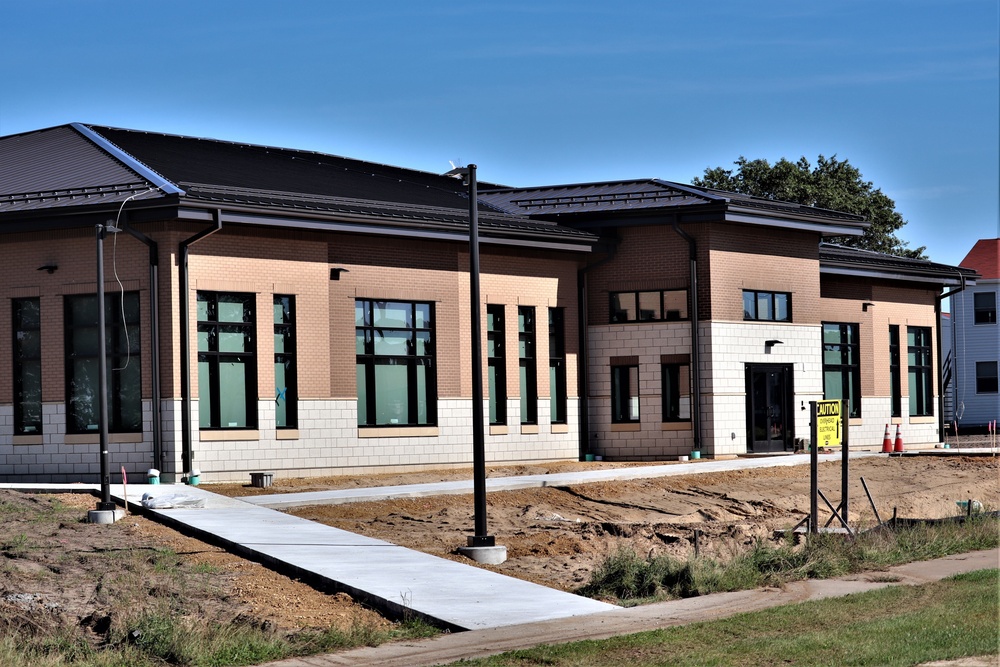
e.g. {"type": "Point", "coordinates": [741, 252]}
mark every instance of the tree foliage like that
{"type": "Point", "coordinates": [833, 184]}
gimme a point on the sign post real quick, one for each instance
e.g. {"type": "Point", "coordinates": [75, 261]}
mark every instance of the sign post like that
{"type": "Point", "coordinates": [828, 428]}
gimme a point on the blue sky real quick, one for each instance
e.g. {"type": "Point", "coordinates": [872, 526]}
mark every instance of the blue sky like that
{"type": "Point", "coordinates": [546, 92]}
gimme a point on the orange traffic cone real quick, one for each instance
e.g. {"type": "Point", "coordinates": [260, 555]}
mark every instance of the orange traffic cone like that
{"type": "Point", "coordinates": [886, 443]}
{"type": "Point", "coordinates": [898, 447]}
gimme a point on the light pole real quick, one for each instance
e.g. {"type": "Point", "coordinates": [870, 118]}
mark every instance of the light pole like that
{"type": "Point", "coordinates": [481, 546]}
{"type": "Point", "coordinates": [105, 512]}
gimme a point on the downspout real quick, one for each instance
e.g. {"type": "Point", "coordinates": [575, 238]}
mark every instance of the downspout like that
{"type": "Point", "coordinates": [154, 326]}
{"type": "Point", "coordinates": [187, 455]}
{"type": "Point", "coordinates": [695, 355]}
{"type": "Point", "coordinates": [583, 379]}
{"type": "Point", "coordinates": [940, 362]}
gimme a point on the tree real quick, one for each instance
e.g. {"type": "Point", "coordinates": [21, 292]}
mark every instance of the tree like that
{"type": "Point", "coordinates": [833, 184]}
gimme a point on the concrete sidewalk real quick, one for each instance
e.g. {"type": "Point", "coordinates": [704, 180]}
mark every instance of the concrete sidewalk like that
{"type": "Point", "coordinates": [338, 496]}
{"type": "Point", "coordinates": [449, 648]}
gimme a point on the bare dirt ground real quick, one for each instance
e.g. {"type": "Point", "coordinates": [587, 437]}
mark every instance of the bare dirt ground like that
{"type": "Point", "coordinates": [56, 568]}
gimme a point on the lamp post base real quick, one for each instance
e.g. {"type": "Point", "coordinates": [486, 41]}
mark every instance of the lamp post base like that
{"type": "Point", "coordinates": [492, 555]}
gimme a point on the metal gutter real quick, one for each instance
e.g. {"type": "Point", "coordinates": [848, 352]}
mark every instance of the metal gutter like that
{"type": "Point", "coordinates": [154, 326]}
{"type": "Point", "coordinates": [826, 228]}
{"type": "Point", "coordinates": [156, 179]}
{"type": "Point", "coordinates": [695, 352]}
{"type": "Point", "coordinates": [894, 275]}
{"type": "Point", "coordinates": [187, 453]}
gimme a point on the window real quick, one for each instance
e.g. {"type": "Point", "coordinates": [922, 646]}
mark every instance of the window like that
{"type": "Point", "coordinates": [985, 305]}
{"type": "Point", "coordinates": [895, 374]}
{"type": "Point", "coordinates": [769, 306]}
{"type": "Point", "coordinates": [227, 365]}
{"type": "Point", "coordinates": [286, 398]}
{"type": "Point", "coordinates": [842, 365]}
{"type": "Point", "coordinates": [496, 352]}
{"type": "Point", "coordinates": [624, 393]}
{"type": "Point", "coordinates": [27, 366]}
{"type": "Point", "coordinates": [397, 381]}
{"type": "Point", "coordinates": [676, 392]}
{"type": "Point", "coordinates": [557, 365]}
{"type": "Point", "coordinates": [650, 306]}
{"type": "Point", "coordinates": [918, 355]}
{"type": "Point", "coordinates": [124, 376]}
{"type": "Point", "coordinates": [527, 364]}
{"type": "Point", "coordinates": [986, 377]}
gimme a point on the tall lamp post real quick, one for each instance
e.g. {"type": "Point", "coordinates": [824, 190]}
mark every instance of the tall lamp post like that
{"type": "Point", "coordinates": [481, 546]}
{"type": "Point", "coordinates": [105, 512]}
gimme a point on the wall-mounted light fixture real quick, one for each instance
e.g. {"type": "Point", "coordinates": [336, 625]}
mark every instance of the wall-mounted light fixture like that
{"type": "Point", "coordinates": [866, 305]}
{"type": "Point", "coordinates": [51, 268]}
{"type": "Point", "coordinates": [768, 344]}
{"type": "Point", "coordinates": [335, 272]}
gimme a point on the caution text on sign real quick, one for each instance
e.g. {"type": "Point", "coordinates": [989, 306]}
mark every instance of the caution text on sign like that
{"type": "Point", "coordinates": [828, 423]}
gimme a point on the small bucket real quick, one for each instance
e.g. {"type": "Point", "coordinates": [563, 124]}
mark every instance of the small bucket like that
{"type": "Point", "coordinates": [695, 454]}
{"type": "Point", "coordinates": [152, 476]}
{"type": "Point", "coordinates": [588, 457]}
{"type": "Point", "coordinates": [194, 478]}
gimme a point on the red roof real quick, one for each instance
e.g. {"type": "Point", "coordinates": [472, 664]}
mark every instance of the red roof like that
{"type": "Point", "coordinates": [984, 258]}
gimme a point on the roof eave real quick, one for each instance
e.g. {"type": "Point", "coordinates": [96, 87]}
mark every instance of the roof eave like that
{"type": "Point", "coordinates": [895, 274]}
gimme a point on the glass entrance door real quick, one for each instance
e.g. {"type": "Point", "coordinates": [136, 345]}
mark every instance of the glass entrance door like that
{"type": "Point", "coordinates": [770, 420]}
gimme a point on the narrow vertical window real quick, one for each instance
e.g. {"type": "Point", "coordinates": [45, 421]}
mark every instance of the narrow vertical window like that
{"type": "Point", "coordinates": [124, 375]}
{"type": "Point", "coordinates": [676, 392]}
{"type": "Point", "coordinates": [557, 365]}
{"type": "Point", "coordinates": [624, 394]}
{"type": "Point", "coordinates": [396, 375]}
{"type": "Point", "coordinates": [842, 365]}
{"type": "Point", "coordinates": [285, 377]}
{"type": "Point", "coordinates": [496, 351]}
{"type": "Point", "coordinates": [920, 375]}
{"type": "Point", "coordinates": [895, 372]}
{"type": "Point", "coordinates": [527, 364]}
{"type": "Point", "coordinates": [227, 363]}
{"type": "Point", "coordinates": [27, 367]}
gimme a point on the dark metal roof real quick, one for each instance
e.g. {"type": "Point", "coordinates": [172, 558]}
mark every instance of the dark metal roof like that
{"type": "Point", "coordinates": [94, 164]}
{"type": "Point", "coordinates": [59, 167]}
{"type": "Point", "coordinates": [587, 200]}
{"type": "Point", "coordinates": [839, 259]}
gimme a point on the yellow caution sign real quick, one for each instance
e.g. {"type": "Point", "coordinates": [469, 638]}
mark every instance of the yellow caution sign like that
{"type": "Point", "coordinates": [828, 423]}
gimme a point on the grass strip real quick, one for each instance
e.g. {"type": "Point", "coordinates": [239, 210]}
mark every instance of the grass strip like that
{"type": "Point", "coordinates": [899, 625]}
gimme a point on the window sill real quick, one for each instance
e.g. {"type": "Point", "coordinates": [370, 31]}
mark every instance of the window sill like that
{"type": "Point", "coordinates": [287, 434]}
{"type": "Point", "coordinates": [219, 436]}
{"type": "Point", "coordinates": [559, 428]}
{"type": "Point", "coordinates": [627, 427]}
{"type": "Point", "coordinates": [95, 438]}
{"type": "Point", "coordinates": [529, 429]}
{"type": "Point", "coordinates": [399, 432]}
{"type": "Point", "coordinates": [675, 426]}
{"type": "Point", "coordinates": [27, 440]}
{"type": "Point", "coordinates": [923, 420]}
{"type": "Point", "coordinates": [895, 421]}
{"type": "Point", "coordinates": [855, 421]}
{"type": "Point", "coordinates": [499, 429]}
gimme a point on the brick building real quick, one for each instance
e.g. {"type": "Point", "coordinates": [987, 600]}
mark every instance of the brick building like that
{"type": "Point", "coordinates": [282, 310]}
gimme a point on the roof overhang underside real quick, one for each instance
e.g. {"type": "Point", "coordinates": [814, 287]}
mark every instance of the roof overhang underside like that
{"type": "Point", "coordinates": [890, 274]}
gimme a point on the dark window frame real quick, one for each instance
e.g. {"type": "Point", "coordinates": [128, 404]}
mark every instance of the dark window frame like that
{"type": "Point", "coordinates": [285, 331]}
{"type": "Point", "coordinates": [622, 402]}
{"type": "Point", "coordinates": [496, 353]}
{"type": "Point", "coordinates": [124, 360]}
{"type": "Point", "coordinates": [895, 372]}
{"type": "Point", "coordinates": [987, 312]}
{"type": "Point", "coordinates": [670, 378]}
{"type": "Point", "coordinates": [618, 315]}
{"type": "Point", "coordinates": [752, 313]}
{"type": "Point", "coordinates": [920, 371]}
{"type": "Point", "coordinates": [212, 327]}
{"type": "Point", "coordinates": [527, 364]}
{"type": "Point", "coordinates": [849, 372]}
{"type": "Point", "coordinates": [26, 366]}
{"type": "Point", "coordinates": [367, 360]}
{"type": "Point", "coordinates": [987, 382]}
{"type": "Point", "coordinates": [557, 366]}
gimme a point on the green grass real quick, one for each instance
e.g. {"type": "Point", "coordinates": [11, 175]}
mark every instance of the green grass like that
{"type": "Point", "coordinates": [629, 579]}
{"type": "Point", "coordinates": [899, 625]}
